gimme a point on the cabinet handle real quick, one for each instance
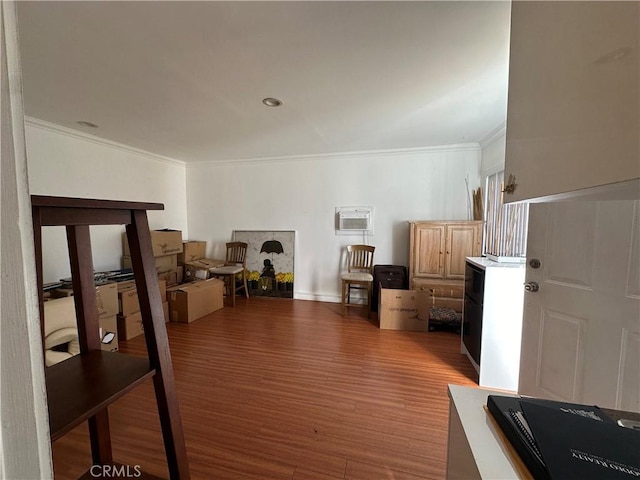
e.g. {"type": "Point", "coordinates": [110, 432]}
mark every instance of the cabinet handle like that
{"type": "Point", "coordinates": [511, 185]}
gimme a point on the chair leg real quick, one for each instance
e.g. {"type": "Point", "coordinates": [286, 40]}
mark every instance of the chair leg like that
{"type": "Point", "coordinates": [232, 289]}
{"type": "Point", "coordinates": [244, 279]}
{"type": "Point", "coordinates": [369, 291]}
{"type": "Point", "coordinates": [344, 296]}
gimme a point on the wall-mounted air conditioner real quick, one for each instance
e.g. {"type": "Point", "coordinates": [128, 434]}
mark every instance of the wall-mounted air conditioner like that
{"type": "Point", "coordinates": [354, 220]}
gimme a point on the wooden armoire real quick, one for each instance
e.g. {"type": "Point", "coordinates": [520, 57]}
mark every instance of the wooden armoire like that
{"type": "Point", "coordinates": [437, 251]}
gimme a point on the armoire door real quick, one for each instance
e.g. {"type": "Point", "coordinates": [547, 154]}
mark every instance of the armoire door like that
{"type": "Point", "coordinates": [581, 330]}
{"type": "Point", "coordinates": [428, 250]}
{"type": "Point", "coordinates": [461, 241]}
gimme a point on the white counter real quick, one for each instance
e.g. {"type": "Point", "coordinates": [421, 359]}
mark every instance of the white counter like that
{"type": "Point", "coordinates": [475, 450]}
{"type": "Point", "coordinates": [484, 262]}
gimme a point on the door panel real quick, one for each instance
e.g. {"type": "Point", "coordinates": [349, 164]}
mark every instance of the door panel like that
{"type": "Point", "coordinates": [570, 262]}
{"type": "Point", "coordinates": [633, 279]}
{"type": "Point", "coordinates": [581, 329]}
{"type": "Point", "coordinates": [629, 381]}
{"type": "Point", "coordinates": [560, 354]}
{"type": "Point", "coordinates": [461, 242]}
{"type": "Point", "coordinates": [430, 250]}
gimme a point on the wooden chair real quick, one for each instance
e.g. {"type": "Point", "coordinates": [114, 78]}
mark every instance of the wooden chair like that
{"type": "Point", "coordinates": [359, 274]}
{"type": "Point", "coordinates": [235, 263]}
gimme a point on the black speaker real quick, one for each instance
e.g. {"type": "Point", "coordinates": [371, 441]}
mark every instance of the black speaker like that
{"type": "Point", "coordinates": [388, 276]}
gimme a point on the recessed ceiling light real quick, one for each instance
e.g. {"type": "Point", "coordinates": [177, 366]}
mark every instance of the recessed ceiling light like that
{"type": "Point", "coordinates": [87, 124]}
{"type": "Point", "coordinates": [271, 102]}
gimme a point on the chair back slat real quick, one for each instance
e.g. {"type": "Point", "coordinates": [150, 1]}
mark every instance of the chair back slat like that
{"type": "Point", "coordinates": [236, 253]}
{"type": "Point", "coordinates": [360, 258]}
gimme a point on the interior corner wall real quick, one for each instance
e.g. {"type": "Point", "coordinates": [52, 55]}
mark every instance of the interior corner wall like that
{"type": "Point", "coordinates": [302, 195]}
{"type": "Point", "coordinates": [493, 156]}
{"type": "Point", "coordinates": [67, 165]}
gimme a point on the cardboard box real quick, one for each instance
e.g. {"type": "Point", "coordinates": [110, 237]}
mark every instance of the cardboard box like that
{"type": "Point", "coordinates": [170, 289]}
{"type": "Point", "coordinates": [199, 269]}
{"type": "Point", "coordinates": [404, 309]}
{"type": "Point", "coordinates": [195, 300]}
{"type": "Point", "coordinates": [129, 326]}
{"type": "Point", "coordinates": [192, 250]}
{"type": "Point", "coordinates": [163, 263]}
{"type": "Point", "coordinates": [163, 242]}
{"type": "Point", "coordinates": [171, 278]}
{"type": "Point", "coordinates": [109, 333]}
{"type": "Point", "coordinates": [127, 296]}
{"type": "Point", "coordinates": [106, 298]}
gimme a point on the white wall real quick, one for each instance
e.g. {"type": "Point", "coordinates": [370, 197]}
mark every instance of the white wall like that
{"type": "Point", "coordinates": [25, 445]}
{"type": "Point", "coordinates": [301, 195]}
{"type": "Point", "coordinates": [62, 162]}
{"type": "Point", "coordinates": [493, 152]}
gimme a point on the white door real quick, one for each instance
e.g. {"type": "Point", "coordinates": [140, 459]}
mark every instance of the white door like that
{"type": "Point", "coordinates": [581, 330]}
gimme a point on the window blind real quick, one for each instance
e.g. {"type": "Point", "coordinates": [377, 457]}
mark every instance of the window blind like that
{"type": "Point", "coordinates": [506, 225]}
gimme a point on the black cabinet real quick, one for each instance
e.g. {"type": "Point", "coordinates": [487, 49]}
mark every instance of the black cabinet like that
{"type": "Point", "coordinates": [472, 316]}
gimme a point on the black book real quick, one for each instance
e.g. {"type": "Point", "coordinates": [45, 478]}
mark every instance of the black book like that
{"type": "Point", "coordinates": [574, 446]}
{"type": "Point", "coordinates": [508, 413]}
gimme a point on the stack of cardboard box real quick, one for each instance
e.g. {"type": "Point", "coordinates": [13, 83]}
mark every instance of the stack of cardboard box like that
{"type": "Point", "coordinates": [202, 295]}
{"type": "Point", "coordinates": [129, 316]}
{"type": "Point", "coordinates": [185, 302]}
{"type": "Point", "coordinates": [166, 245]}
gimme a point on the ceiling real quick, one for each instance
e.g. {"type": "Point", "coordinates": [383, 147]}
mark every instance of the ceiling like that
{"type": "Point", "coordinates": [186, 79]}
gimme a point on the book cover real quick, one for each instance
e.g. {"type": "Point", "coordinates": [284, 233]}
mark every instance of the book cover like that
{"type": "Point", "coordinates": [577, 446]}
{"type": "Point", "coordinates": [508, 415]}
{"type": "Point", "coordinates": [592, 412]}
{"type": "Point", "coordinates": [512, 419]}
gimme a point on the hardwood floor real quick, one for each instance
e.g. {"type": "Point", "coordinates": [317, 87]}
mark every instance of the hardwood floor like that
{"type": "Point", "coordinates": [282, 389]}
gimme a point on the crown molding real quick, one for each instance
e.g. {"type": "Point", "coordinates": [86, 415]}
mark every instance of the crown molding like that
{"type": "Point", "coordinates": [52, 127]}
{"type": "Point", "coordinates": [493, 135]}
{"type": "Point", "coordinates": [364, 154]}
{"type": "Point", "coordinates": [367, 154]}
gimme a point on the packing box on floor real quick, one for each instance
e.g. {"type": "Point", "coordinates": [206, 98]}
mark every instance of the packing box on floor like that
{"type": "Point", "coordinates": [163, 242]}
{"type": "Point", "coordinates": [194, 300]}
{"type": "Point", "coordinates": [404, 309]}
{"type": "Point", "coordinates": [128, 296]}
{"type": "Point", "coordinates": [129, 326]}
{"type": "Point", "coordinates": [199, 269]}
{"type": "Point", "coordinates": [192, 250]}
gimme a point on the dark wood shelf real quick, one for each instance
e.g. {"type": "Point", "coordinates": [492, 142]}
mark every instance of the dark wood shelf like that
{"type": "Point", "coordinates": [80, 388]}
{"type": "Point", "coordinates": [80, 203]}
{"type": "Point", "coordinates": [83, 385]}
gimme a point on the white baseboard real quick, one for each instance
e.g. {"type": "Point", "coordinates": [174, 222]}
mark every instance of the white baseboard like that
{"type": "Point", "coordinates": [316, 297]}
